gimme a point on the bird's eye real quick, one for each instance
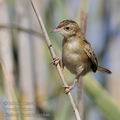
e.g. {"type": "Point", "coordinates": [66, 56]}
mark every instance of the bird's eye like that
{"type": "Point", "coordinates": [67, 28]}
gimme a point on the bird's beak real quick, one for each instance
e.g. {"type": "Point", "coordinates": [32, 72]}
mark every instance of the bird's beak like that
{"type": "Point", "coordinates": [56, 30]}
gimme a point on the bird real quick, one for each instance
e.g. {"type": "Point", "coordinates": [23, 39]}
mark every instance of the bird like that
{"type": "Point", "coordinates": [78, 55]}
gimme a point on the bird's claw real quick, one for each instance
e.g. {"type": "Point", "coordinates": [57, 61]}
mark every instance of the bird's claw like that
{"type": "Point", "coordinates": [67, 89]}
{"type": "Point", "coordinates": [56, 61]}
{"type": "Point", "coordinates": [70, 87]}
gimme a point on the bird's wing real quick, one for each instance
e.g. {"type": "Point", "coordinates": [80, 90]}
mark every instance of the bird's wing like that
{"type": "Point", "coordinates": [90, 53]}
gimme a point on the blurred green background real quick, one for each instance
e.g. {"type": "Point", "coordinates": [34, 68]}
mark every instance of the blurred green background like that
{"type": "Point", "coordinates": [30, 88]}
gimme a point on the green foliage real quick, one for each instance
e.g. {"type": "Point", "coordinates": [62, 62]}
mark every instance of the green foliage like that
{"type": "Point", "coordinates": [102, 99]}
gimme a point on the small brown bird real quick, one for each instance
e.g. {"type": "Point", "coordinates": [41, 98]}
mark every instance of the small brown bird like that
{"type": "Point", "coordinates": [77, 53]}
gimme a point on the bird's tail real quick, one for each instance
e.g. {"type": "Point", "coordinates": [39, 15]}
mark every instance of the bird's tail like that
{"type": "Point", "coordinates": [102, 69]}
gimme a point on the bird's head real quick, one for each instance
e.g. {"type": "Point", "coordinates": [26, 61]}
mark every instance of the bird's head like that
{"type": "Point", "coordinates": [67, 28]}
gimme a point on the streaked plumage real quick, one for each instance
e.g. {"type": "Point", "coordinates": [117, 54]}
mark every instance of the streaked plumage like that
{"type": "Point", "coordinates": [77, 53]}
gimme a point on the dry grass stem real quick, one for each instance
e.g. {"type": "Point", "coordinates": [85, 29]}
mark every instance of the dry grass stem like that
{"type": "Point", "coordinates": [49, 44]}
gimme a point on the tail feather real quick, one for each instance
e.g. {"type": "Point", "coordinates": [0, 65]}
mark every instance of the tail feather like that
{"type": "Point", "coordinates": [102, 69]}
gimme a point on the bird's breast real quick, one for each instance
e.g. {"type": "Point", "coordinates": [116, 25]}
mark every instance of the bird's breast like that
{"type": "Point", "coordinates": [72, 46]}
{"type": "Point", "coordinates": [71, 56]}
{"type": "Point", "coordinates": [73, 52]}
{"type": "Point", "coordinates": [74, 56]}
{"type": "Point", "coordinates": [70, 51]}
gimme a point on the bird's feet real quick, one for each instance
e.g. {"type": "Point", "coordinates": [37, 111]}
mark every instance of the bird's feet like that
{"type": "Point", "coordinates": [70, 87]}
{"type": "Point", "coordinates": [56, 61]}
{"type": "Point", "coordinates": [67, 89]}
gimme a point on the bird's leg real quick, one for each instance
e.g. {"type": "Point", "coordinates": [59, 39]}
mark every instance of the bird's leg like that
{"type": "Point", "coordinates": [77, 77]}
{"type": "Point", "coordinates": [76, 80]}
{"type": "Point", "coordinates": [57, 61]}
{"type": "Point", "coordinates": [70, 87]}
